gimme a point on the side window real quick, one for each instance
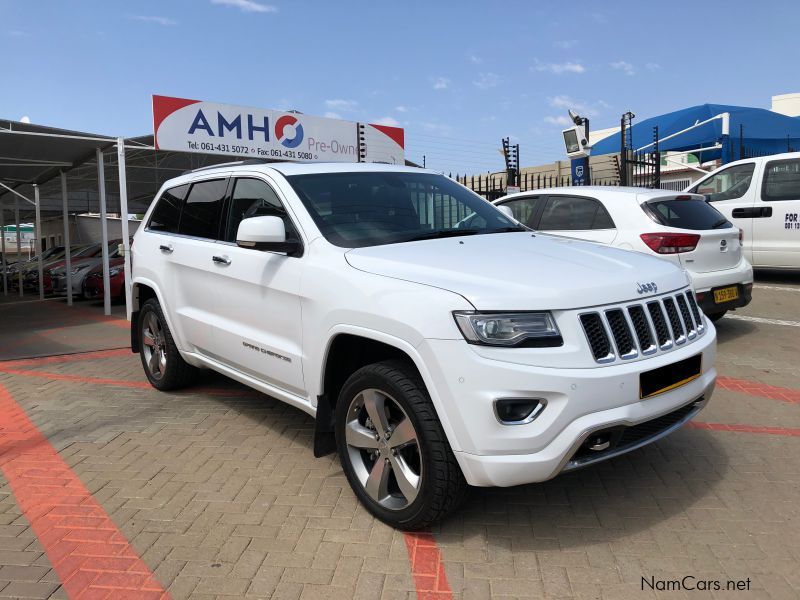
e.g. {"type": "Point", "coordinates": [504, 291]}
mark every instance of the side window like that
{"type": "Point", "coordinates": [781, 180]}
{"type": "Point", "coordinates": [167, 212]}
{"type": "Point", "coordinates": [202, 210]}
{"type": "Point", "coordinates": [728, 184]}
{"type": "Point", "coordinates": [570, 213]}
{"type": "Point", "coordinates": [255, 198]}
{"type": "Point", "coordinates": [524, 209]}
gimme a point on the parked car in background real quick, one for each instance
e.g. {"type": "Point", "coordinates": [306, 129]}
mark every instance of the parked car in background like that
{"type": "Point", "coordinates": [25, 265]}
{"type": "Point", "coordinates": [80, 267]}
{"type": "Point", "coordinates": [762, 197]}
{"type": "Point", "coordinates": [78, 253]}
{"type": "Point", "coordinates": [678, 227]}
{"type": "Point", "coordinates": [432, 356]}
{"type": "Point", "coordinates": [92, 285]}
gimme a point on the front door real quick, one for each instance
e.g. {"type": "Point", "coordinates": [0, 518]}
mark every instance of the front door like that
{"type": "Point", "coordinates": [776, 235]}
{"type": "Point", "coordinates": [258, 328]}
{"type": "Point", "coordinates": [732, 192]}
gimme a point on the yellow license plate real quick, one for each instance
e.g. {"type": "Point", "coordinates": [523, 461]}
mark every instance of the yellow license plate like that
{"type": "Point", "coordinates": [726, 294]}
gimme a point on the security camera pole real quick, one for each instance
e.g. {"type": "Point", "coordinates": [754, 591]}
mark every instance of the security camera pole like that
{"type": "Point", "coordinates": [579, 165]}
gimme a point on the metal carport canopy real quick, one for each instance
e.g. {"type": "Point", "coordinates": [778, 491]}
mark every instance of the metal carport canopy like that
{"type": "Point", "coordinates": [64, 166]}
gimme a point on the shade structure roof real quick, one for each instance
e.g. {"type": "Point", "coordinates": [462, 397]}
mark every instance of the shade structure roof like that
{"type": "Point", "coordinates": [762, 131]}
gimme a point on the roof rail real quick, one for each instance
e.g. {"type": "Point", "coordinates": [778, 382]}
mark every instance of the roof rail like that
{"type": "Point", "coordinates": [235, 163]}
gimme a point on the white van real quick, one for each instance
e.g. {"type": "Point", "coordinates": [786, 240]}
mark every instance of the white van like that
{"type": "Point", "coordinates": [762, 197]}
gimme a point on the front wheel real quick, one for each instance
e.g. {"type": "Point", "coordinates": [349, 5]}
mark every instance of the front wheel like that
{"type": "Point", "coordinates": [393, 449]}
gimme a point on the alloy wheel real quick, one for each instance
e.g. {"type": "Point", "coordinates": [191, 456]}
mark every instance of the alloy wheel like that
{"type": "Point", "coordinates": [154, 346]}
{"type": "Point", "coordinates": [384, 449]}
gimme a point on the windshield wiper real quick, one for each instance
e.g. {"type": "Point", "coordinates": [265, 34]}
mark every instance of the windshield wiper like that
{"type": "Point", "coordinates": [719, 223]}
{"type": "Point", "coordinates": [434, 235]}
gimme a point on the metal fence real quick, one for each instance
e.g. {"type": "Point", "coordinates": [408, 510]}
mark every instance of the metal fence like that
{"type": "Point", "coordinates": [493, 185]}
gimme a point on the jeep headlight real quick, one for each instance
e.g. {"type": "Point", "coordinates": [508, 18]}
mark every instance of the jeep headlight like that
{"type": "Point", "coordinates": [532, 329]}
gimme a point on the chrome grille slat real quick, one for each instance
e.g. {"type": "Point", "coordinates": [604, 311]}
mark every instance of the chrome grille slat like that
{"type": "Point", "coordinates": [628, 331]}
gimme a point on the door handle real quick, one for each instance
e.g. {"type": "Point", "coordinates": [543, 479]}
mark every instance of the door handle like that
{"type": "Point", "coordinates": [221, 260]}
{"type": "Point", "coordinates": [752, 212]}
{"type": "Point", "coordinates": [166, 248]}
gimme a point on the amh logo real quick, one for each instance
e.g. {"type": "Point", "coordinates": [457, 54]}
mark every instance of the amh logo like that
{"type": "Point", "coordinates": [280, 127]}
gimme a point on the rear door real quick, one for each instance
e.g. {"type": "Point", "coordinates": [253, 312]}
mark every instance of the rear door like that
{"type": "Point", "coordinates": [776, 236]}
{"type": "Point", "coordinates": [732, 192]}
{"type": "Point", "coordinates": [578, 217]}
{"type": "Point", "coordinates": [192, 252]}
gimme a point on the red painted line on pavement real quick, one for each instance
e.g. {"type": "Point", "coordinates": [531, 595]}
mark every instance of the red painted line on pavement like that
{"type": "Point", "coordinates": [787, 431]}
{"type": "Point", "coordinates": [755, 388]}
{"type": "Point", "coordinates": [90, 555]}
{"type": "Point", "coordinates": [427, 567]}
{"type": "Point", "coordinates": [77, 378]}
{"type": "Point", "coordinates": [65, 358]}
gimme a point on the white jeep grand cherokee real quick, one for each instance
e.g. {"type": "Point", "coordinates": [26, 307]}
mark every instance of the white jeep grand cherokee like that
{"type": "Point", "coordinates": [431, 356]}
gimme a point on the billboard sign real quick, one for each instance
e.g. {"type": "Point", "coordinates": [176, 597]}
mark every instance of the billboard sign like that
{"type": "Point", "coordinates": [210, 128]}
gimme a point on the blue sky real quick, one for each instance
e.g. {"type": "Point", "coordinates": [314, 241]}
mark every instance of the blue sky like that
{"type": "Point", "coordinates": [457, 75]}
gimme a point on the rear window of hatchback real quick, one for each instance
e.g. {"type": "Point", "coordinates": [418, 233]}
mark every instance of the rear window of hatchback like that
{"type": "Point", "coordinates": [685, 213]}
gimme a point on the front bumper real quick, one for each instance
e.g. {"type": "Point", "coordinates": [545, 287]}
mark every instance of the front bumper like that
{"type": "Point", "coordinates": [579, 402]}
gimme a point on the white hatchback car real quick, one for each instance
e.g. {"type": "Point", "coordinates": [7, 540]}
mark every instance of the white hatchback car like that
{"type": "Point", "coordinates": [679, 227]}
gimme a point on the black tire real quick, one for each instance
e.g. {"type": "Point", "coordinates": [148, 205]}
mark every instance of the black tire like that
{"type": "Point", "coordinates": [716, 316]}
{"type": "Point", "coordinates": [173, 372]}
{"type": "Point", "coordinates": [441, 486]}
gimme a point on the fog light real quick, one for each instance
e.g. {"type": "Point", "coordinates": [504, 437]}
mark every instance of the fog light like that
{"type": "Point", "coordinates": [518, 411]}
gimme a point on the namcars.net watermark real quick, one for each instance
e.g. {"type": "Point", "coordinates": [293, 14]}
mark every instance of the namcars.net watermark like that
{"type": "Point", "coordinates": [690, 583]}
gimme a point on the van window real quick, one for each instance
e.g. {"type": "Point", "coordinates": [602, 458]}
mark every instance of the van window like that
{"type": "Point", "coordinates": [167, 212]}
{"type": "Point", "coordinates": [572, 213]}
{"type": "Point", "coordinates": [692, 213]}
{"type": "Point", "coordinates": [202, 210]}
{"type": "Point", "coordinates": [781, 180]}
{"type": "Point", "coordinates": [255, 198]}
{"type": "Point", "coordinates": [728, 184]}
{"type": "Point", "coordinates": [524, 209]}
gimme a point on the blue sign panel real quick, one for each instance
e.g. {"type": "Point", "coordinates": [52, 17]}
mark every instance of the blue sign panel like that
{"type": "Point", "coordinates": [580, 171]}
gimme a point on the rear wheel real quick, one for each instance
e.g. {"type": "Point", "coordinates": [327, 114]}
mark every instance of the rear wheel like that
{"type": "Point", "coordinates": [393, 449]}
{"type": "Point", "coordinates": [716, 316]}
{"type": "Point", "coordinates": [162, 362]}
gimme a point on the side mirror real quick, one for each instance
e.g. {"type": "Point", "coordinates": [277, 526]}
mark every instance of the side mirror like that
{"type": "Point", "coordinates": [267, 234]}
{"type": "Point", "coordinates": [506, 210]}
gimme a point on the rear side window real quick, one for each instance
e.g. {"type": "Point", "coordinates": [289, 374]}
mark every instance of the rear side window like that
{"type": "Point", "coordinates": [572, 213]}
{"type": "Point", "coordinates": [255, 198]}
{"type": "Point", "coordinates": [781, 180]}
{"type": "Point", "coordinates": [202, 210]}
{"type": "Point", "coordinates": [524, 209]}
{"type": "Point", "coordinates": [686, 214]}
{"type": "Point", "coordinates": [167, 212]}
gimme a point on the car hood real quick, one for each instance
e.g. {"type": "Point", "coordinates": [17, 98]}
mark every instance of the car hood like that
{"type": "Point", "coordinates": [523, 271]}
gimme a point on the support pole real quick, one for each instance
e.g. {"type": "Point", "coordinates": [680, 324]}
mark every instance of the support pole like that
{"type": "Point", "coordinates": [123, 215]}
{"type": "Point", "coordinates": [68, 253]}
{"type": "Point", "coordinates": [19, 246]}
{"type": "Point", "coordinates": [3, 250]}
{"type": "Point", "coordinates": [101, 183]}
{"type": "Point", "coordinates": [38, 236]}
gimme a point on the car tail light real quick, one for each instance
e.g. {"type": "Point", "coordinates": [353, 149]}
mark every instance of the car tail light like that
{"type": "Point", "coordinates": [670, 243]}
{"type": "Point", "coordinates": [741, 236]}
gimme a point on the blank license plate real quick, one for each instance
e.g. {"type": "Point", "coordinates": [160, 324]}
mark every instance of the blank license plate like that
{"type": "Point", "coordinates": [726, 294]}
{"type": "Point", "coordinates": [669, 377]}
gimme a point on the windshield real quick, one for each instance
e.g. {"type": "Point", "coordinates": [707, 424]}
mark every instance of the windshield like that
{"type": "Point", "coordinates": [690, 213]}
{"type": "Point", "coordinates": [353, 210]}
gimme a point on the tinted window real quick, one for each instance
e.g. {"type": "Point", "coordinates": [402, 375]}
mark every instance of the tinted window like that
{"type": "Point", "coordinates": [202, 210]}
{"type": "Point", "coordinates": [570, 213]}
{"type": "Point", "coordinates": [686, 214]}
{"type": "Point", "coordinates": [384, 207]}
{"type": "Point", "coordinates": [255, 198]}
{"type": "Point", "coordinates": [524, 209]}
{"type": "Point", "coordinates": [167, 212]}
{"type": "Point", "coordinates": [781, 180]}
{"type": "Point", "coordinates": [728, 184]}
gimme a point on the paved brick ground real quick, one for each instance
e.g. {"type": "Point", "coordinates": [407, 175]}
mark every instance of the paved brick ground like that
{"type": "Point", "coordinates": [218, 493]}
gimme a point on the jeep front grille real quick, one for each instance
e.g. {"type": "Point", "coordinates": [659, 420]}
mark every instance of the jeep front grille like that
{"type": "Point", "coordinates": [636, 329]}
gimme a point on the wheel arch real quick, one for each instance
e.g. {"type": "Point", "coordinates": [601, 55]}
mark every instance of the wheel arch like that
{"type": "Point", "coordinates": [141, 291]}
